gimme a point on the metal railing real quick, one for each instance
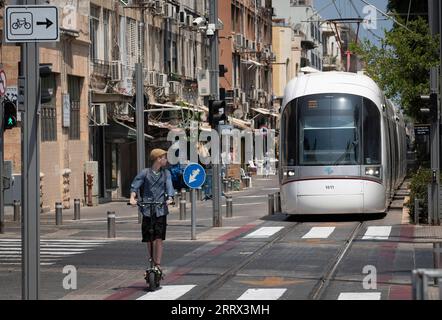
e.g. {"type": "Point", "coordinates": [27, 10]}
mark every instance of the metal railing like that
{"type": "Point", "coordinates": [421, 278]}
{"type": "Point", "coordinates": [421, 285]}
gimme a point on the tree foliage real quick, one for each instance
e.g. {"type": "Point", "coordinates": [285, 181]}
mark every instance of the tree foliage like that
{"type": "Point", "coordinates": [401, 65]}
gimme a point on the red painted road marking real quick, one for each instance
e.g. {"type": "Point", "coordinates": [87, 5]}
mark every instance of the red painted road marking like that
{"type": "Point", "coordinates": [400, 292]}
{"type": "Point", "coordinates": [180, 272]}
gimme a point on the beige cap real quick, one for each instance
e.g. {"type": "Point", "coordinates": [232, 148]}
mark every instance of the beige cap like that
{"type": "Point", "coordinates": [157, 153]}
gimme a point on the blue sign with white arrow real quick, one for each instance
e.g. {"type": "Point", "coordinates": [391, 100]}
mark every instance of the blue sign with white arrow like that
{"type": "Point", "coordinates": [194, 176]}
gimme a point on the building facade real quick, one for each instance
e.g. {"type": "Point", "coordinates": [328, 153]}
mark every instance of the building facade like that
{"type": "Point", "coordinates": [89, 126]}
{"type": "Point", "coordinates": [64, 120]}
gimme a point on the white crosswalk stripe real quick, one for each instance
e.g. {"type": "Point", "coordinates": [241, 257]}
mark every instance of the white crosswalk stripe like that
{"type": "Point", "coordinates": [262, 294]}
{"type": "Point", "coordinates": [265, 232]}
{"type": "Point", "coordinates": [377, 233]}
{"type": "Point", "coordinates": [51, 250]}
{"type": "Point", "coordinates": [319, 233]}
{"type": "Point", "coordinates": [360, 296]}
{"type": "Point", "coordinates": [167, 293]}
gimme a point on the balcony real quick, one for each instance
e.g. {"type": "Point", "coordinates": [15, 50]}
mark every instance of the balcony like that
{"type": "Point", "coordinates": [101, 68]}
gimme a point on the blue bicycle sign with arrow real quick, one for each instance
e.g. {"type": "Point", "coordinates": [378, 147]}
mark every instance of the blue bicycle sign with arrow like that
{"type": "Point", "coordinates": [194, 176]}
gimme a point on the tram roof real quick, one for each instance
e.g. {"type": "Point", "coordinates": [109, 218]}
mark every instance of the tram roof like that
{"type": "Point", "coordinates": [333, 82]}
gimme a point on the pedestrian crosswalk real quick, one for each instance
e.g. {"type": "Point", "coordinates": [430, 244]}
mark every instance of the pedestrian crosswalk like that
{"type": "Point", "coordinates": [371, 233]}
{"type": "Point", "coordinates": [175, 292]}
{"type": "Point", "coordinates": [51, 250]}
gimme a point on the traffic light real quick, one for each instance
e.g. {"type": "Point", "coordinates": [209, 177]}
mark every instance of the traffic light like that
{"type": "Point", "coordinates": [217, 112]}
{"type": "Point", "coordinates": [9, 115]}
{"type": "Point", "coordinates": [45, 72]}
{"type": "Point", "coordinates": [222, 70]}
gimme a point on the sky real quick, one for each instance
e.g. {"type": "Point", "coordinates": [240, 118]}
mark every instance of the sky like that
{"type": "Point", "coordinates": [346, 10]}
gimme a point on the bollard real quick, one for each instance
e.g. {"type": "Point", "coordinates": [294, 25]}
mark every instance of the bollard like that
{"type": "Point", "coordinates": [271, 204]}
{"type": "Point", "coordinates": [416, 211]}
{"type": "Point", "coordinates": [111, 232]}
{"type": "Point", "coordinates": [183, 194]}
{"type": "Point", "coordinates": [199, 193]}
{"type": "Point", "coordinates": [58, 213]}
{"type": "Point", "coordinates": [278, 202]}
{"type": "Point", "coordinates": [182, 209]}
{"type": "Point", "coordinates": [247, 181]}
{"type": "Point", "coordinates": [77, 209]}
{"type": "Point", "coordinates": [140, 217]}
{"type": "Point", "coordinates": [17, 211]}
{"type": "Point", "coordinates": [230, 185]}
{"type": "Point", "coordinates": [229, 206]}
{"type": "Point", "coordinates": [225, 185]}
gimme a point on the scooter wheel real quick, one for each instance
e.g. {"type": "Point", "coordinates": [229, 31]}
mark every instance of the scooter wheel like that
{"type": "Point", "coordinates": [152, 282]}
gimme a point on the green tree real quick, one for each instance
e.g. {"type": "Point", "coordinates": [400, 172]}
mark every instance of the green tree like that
{"type": "Point", "coordinates": [401, 65]}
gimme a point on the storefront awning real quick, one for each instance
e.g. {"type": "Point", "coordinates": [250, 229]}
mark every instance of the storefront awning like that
{"type": "Point", "coordinates": [100, 97]}
{"type": "Point", "coordinates": [252, 62]}
{"type": "Point", "coordinates": [266, 112]}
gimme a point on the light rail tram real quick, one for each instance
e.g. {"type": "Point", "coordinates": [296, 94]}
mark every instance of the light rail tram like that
{"type": "Point", "coordinates": [342, 145]}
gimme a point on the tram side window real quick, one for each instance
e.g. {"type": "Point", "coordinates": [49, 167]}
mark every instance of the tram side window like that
{"type": "Point", "coordinates": [290, 146]}
{"type": "Point", "coordinates": [372, 133]}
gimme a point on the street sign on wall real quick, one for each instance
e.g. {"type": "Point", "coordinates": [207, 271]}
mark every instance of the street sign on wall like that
{"type": "Point", "coordinates": [31, 24]}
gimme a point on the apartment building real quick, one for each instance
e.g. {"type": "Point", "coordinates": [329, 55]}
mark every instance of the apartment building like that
{"type": "Point", "coordinates": [64, 141]}
{"type": "Point", "coordinates": [246, 51]}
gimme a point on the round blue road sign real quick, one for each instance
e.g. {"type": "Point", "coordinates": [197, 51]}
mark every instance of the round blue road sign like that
{"type": "Point", "coordinates": [194, 176]}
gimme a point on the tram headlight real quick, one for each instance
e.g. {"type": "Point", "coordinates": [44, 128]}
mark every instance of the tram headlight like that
{"type": "Point", "coordinates": [289, 173]}
{"type": "Point", "coordinates": [373, 171]}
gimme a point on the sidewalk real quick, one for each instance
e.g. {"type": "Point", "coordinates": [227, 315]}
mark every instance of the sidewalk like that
{"type": "Point", "coordinates": [249, 205]}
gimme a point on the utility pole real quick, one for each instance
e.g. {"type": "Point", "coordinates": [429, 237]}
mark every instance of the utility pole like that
{"type": "Point", "coordinates": [434, 14]}
{"type": "Point", "coordinates": [214, 93]}
{"type": "Point", "coordinates": [30, 58]}
{"type": "Point", "coordinates": [141, 144]}
{"type": "Point", "coordinates": [2, 202]}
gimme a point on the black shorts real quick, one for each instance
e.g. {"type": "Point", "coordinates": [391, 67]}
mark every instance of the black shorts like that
{"type": "Point", "coordinates": [159, 229]}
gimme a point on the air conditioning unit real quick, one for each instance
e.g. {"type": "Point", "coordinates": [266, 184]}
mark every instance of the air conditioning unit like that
{"type": "Point", "coordinates": [243, 97]}
{"type": "Point", "coordinates": [150, 79]}
{"type": "Point", "coordinates": [246, 107]}
{"type": "Point", "coordinates": [169, 11]}
{"type": "Point", "coordinates": [175, 88]}
{"type": "Point", "coordinates": [254, 94]}
{"type": "Point", "coordinates": [159, 7]}
{"type": "Point", "coordinates": [161, 80]}
{"type": "Point", "coordinates": [99, 114]}
{"type": "Point", "coordinates": [116, 70]}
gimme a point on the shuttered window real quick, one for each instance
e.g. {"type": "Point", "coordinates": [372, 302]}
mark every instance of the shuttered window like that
{"type": "Point", "coordinates": [74, 88]}
{"type": "Point", "coordinates": [49, 111]}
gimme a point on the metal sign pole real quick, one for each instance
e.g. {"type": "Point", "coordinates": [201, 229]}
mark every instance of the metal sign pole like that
{"type": "Point", "coordinates": [193, 212]}
{"type": "Point", "coordinates": [31, 171]}
{"type": "Point", "coordinates": [433, 206]}
{"type": "Point", "coordinates": [214, 88]}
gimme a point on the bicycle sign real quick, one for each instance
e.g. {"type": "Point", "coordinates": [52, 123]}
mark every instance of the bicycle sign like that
{"type": "Point", "coordinates": [31, 24]}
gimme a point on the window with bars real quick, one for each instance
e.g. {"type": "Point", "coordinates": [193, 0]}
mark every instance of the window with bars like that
{"type": "Point", "coordinates": [49, 111]}
{"type": "Point", "coordinates": [74, 88]}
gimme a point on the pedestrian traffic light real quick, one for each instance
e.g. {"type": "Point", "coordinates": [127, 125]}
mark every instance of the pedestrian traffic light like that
{"type": "Point", "coordinates": [9, 115]}
{"type": "Point", "coordinates": [217, 112]}
{"type": "Point", "coordinates": [45, 94]}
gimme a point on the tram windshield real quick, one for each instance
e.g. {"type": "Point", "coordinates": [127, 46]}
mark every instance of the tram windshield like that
{"type": "Point", "coordinates": [329, 131]}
